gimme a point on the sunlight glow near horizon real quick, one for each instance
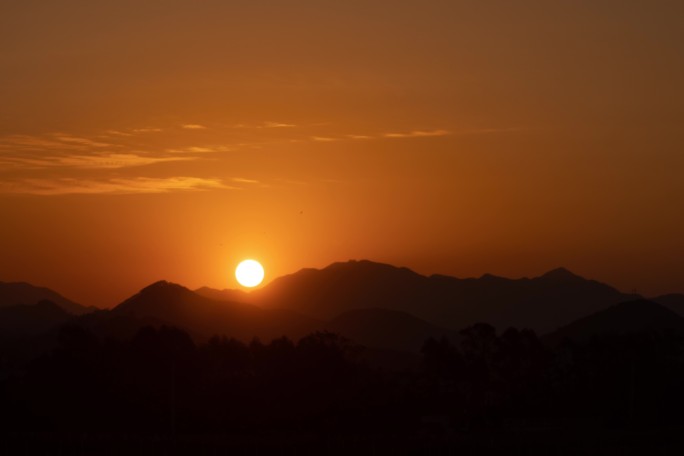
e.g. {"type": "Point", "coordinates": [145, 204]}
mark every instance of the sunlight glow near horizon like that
{"type": "Point", "coordinates": [457, 138]}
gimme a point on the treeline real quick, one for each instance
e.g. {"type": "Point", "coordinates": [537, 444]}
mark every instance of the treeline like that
{"type": "Point", "coordinates": [162, 382]}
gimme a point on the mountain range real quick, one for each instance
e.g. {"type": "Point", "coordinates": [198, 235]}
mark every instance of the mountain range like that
{"type": "Point", "coordinates": [373, 304]}
{"type": "Point", "coordinates": [639, 316]}
{"type": "Point", "coordinates": [31, 319]}
{"type": "Point", "coordinates": [178, 306]}
{"type": "Point", "coordinates": [22, 293]}
{"type": "Point", "coordinates": [542, 303]}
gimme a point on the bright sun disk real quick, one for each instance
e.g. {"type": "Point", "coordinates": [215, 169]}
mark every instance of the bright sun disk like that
{"type": "Point", "coordinates": [249, 273]}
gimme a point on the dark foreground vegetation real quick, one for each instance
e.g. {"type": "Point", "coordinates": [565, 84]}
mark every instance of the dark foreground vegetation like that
{"type": "Point", "coordinates": [508, 393]}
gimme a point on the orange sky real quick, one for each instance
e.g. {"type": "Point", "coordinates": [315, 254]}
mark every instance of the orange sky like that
{"type": "Point", "coordinates": [170, 139]}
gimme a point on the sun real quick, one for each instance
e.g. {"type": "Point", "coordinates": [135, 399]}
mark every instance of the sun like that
{"type": "Point", "coordinates": [249, 273]}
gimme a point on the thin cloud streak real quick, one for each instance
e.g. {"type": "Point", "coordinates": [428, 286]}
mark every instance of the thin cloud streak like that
{"type": "Point", "coordinates": [39, 143]}
{"type": "Point", "coordinates": [116, 161]}
{"type": "Point", "coordinates": [243, 180]}
{"type": "Point", "coordinates": [81, 141]}
{"type": "Point", "coordinates": [359, 137]}
{"type": "Point", "coordinates": [418, 134]}
{"type": "Point", "coordinates": [118, 133]}
{"type": "Point", "coordinates": [147, 130]}
{"type": "Point", "coordinates": [193, 127]}
{"type": "Point", "coordinates": [121, 186]}
{"type": "Point", "coordinates": [201, 149]}
{"type": "Point", "coordinates": [323, 138]}
{"type": "Point", "coordinates": [100, 161]}
{"type": "Point", "coordinates": [278, 125]}
{"type": "Point", "coordinates": [266, 124]}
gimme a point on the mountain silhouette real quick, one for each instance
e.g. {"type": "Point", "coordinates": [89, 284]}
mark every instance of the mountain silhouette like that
{"type": "Point", "coordinates": [624, 318]}
{"type": "Point", "coordinates": [562, 275]}
{"type": "Point", "coordinates": [374, 304]}
{"type": "Point", "coordinates": [176, 305]}
{"type": "Point", "coordinates": [150, 367]}
{"type": "Point", "coordinates": [543, 303]}
{"type": "Point", "coordinates": [383, 328]}
{"type": "Point", "coordinates": [172, 304]}
{"type": "Point", "coordinates": [22, 320]}
{"type": "Point", "coordinates": [22, 293]}
{"type": "Point", "coordinates": [340, 287]}
{"type": "Point", "coordinates": [674, 302]}
{"type": "Point", "coordinates": [223, 295]}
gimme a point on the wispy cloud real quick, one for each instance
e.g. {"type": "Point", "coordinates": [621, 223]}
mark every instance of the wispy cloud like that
{"type": "Point", "coordinates": [117, 160]}
{"type": "Point", "coordinates": [118, 133]}
{"type": "Point", "coordinates": [243, 180]}
{"type": "Point", "coordinates": [359, 137]}
{"type": "Point", "coordinates": [39, 143]}
{"type": "Point", "coordinates": [71, 186]}
{"type": "Point", "coordinates": [267, 124]}
{"type": "Point", "coordinates": [201, 149]}
{"type": "Point", "coordinates": [96, 161]}
{"type": "Point", "coordinates": [193, 127]}
{"type": "Point", "coordinates": [52, 142]}
{"type": "Point", "coordinates": [278, 125]}
{"type": "Point", "coordinates": [80, 141]}
{"type": "Point", "coordinates": [418, 134]}
{"type": "Point", "coordinates": [323, 138]}
{"type": "Point", "coordinates": [21, 142]}
{"type": "Point", "coordinates": [147, 130]}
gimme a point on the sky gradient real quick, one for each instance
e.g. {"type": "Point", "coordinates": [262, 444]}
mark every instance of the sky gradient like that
{"type": "Point", "coordinates": [171, 139]}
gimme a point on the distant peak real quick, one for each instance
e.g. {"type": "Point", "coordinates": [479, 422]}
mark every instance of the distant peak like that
{"type": "Point", "coordinates": [560, 274]}
{"type": "Point", "coordinates": [366, 265]}
{"type": "Point", "coordinates": [157, 284]}
{"type": "Point", "coordinates": [353, 263]}
{"type": "Point", "coordinates": [161, 285]}
{"type": "Point", "coordinates": [488, 276]}
{"type": "Point", "coordinates": [158, 295]}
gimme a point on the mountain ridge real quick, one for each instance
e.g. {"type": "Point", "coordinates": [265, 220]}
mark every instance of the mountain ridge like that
{"type": "Point", "coordinates": [31, 319]}
{"type": "Point", "coordinates": [399, 330]}
{"type": "Point", "coordinates": [541, 303]}
{"type": "Point", "coordinates": [673, 301]}
{"type": "Point", "coordinates": [313, 298]}
{"type": "Point", "coordinates": [24, 293]}
{"type": "Point", "coordinates": [179, 306]}
{"type": "Point", "coordinates": [636, 316]}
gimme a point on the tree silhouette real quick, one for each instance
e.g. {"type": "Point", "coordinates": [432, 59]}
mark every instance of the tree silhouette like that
{"type": "Point", "coordinates": [161, 383]}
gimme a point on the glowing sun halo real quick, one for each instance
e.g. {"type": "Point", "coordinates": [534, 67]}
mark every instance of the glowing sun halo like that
{"type": "Point", "coordinates": [249, 273]}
